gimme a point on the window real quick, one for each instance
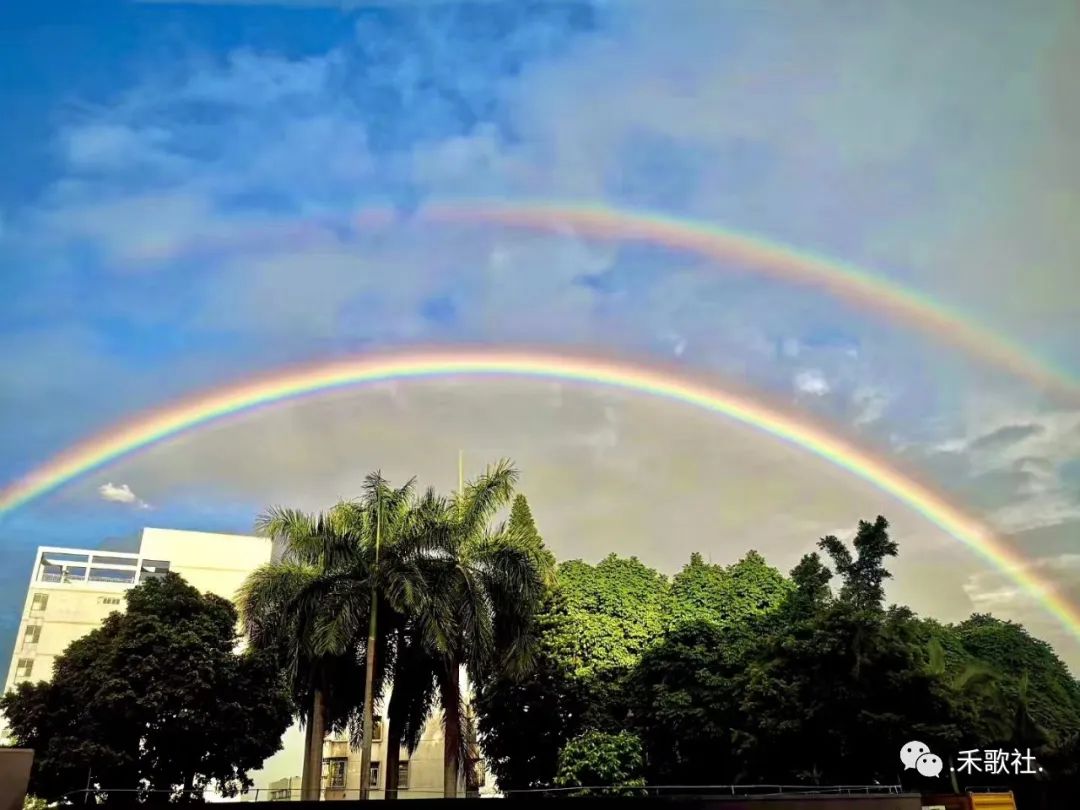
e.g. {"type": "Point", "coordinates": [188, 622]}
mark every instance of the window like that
{"type": "Point", "coordinates": [403, 775]}
{"type": "Point", "coordinates": [335, 773]}
{"type": "Point", "coordinates": [153, 569]}
{"type": "Point", "coordinates": [373, 779]}
{"type": "Point", "coordinates": [32, 634]}
{"type": "Point", "coordinates": [24, 668]}
{"type": "Point", "coordinates": [40, 601]}
{"type": "Point", "coordinates": [108, 600]}
{"type": "Point", "coordinates": [376, 732]}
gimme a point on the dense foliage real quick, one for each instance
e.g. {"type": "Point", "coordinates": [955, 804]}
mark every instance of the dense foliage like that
{"type": "Point", "coordinates": [738, 674]}
{"type": "Point", "coordinates": [597, 759]}
{"type": "Point", "coordinates": [156, 696]}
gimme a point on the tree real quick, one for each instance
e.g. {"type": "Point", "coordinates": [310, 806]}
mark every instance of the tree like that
{"type": "Point", "coordinates": [1042, 698]}
{"type": "Point", "coordinates": [155, 698]}
{"type": "Point", "coordinates": [726, 596]}
{"type": "Point", "coordinates": [810, 582]}
{"type": "Point", "coordinates": [412, 698]}
{"type": "Point", "coordinates": [525, 722]}
{"type": "Point", "coordinates": [287, 606]}
{"type": "Point", "coordinates": [611, 761]}
{"type": "Point", "coordinates": [685, 702]}
{"type": "Point", "coordinates": [619, 605]}
{"type": "Point", "coordinates": [522, 526]}
{"type": "Point", "coordinates": [594, 624]}
{"type": "Point", "coordinates": [383, 517]}
{"type": "Point", "coordinates": [481, 617]}
{"type": "Point", "coordinates": [864, 575]}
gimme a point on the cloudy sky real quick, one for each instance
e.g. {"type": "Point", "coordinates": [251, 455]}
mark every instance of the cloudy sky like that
{"type": "Point", "coordinates": [177, 199]}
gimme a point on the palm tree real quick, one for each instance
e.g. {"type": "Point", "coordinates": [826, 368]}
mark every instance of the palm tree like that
{"type": "Point", "coordinates": [381, 521]}
{"type": "Point", "coordinates": [485, 590]}
{"type": "Point", "coordinates": [287, 606]}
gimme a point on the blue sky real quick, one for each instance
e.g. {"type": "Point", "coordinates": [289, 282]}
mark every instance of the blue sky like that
{"type": "Point", "coordinates": [174, 207]}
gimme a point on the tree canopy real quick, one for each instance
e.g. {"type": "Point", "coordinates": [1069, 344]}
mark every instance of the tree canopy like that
{"type": "Point", "coordinates": [157, 696]}
{"type": "Point", "coordinates": [739, 674]}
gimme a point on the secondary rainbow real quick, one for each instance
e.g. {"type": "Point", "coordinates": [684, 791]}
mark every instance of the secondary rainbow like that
{"type": "Point", "coordinates": [753, 253]}
{"type": "Point", "coordinates": [296, 383]}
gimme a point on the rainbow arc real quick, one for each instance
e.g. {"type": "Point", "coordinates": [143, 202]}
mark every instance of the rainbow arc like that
{"type": "Point", "coordinates": [311, 381]}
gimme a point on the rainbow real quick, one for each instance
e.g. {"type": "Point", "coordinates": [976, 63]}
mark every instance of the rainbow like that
{"type": "Point", "coordinates": [864, 288]}
{"type": "Point", "coordinates": [853, 284]}
{"type": "Point", "coordinates": [307, 381]}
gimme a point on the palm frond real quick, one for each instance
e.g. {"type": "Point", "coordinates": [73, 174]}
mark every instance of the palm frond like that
{"type": "Point", "coordinates": [485, 495]}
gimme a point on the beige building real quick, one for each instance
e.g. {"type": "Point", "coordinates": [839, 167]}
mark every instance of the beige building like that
{"type": "Point", "coordinates": [71, 591]}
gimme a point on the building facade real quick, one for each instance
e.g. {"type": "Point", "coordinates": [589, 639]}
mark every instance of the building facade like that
{"type": "Point", "coordinates": [71, 591]}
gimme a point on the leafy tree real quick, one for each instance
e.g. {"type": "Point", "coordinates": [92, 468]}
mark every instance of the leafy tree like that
{"type": "Point", "coordinates": [601, 759]}
{"type": "Point", "coordinates": [524, 722]}
{"type": "Point", "coordinates": [619, 607]}
{"type": "Point", "coordinates": [686, 703]}
{"type": "Point", "coordinates": [595, 622]}
{"type": "Point", "coordinates": [155, 697]}
{"type": "Point", "coordinates": [828, 700]}
{"type": "Point", "coordinates": [522, 526]}
{"type": "Point", "coordinates": [1042, 698]}
{"type": "Point", "coordinates": [863, 575]}
{"type": "Point", "coordinates": [810, 582]}
{"type": "Point", "coordinates": [726, 596]}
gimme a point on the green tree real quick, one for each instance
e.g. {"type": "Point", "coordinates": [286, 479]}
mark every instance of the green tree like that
{"type": "Point", "coordinates": [489, 589]}
{"type": "Point", "coordinates": [611, 761]}
{"type": "Point", "coordinates": [524, 722]}
{"type": "Point", "coordinates": [726, 596]}
{"type": "Point", "coordinates": [686, 702]}
{"type": "Point", "coordinates": [619, 607]}
{"type": "Point", "coordinates": [595, 622]}
{"type": "Point", "coordinates": [1042, 699]}
{"type": "Point", "coordinates": [286, 607]}
{"type": "Point", "coordinates": [157, 696]}
{"type": "Point", "coordinates": [810, 587]}
{"type": "Point", "coordinates": [863, 575]}
{"type": "Point", "coordinates": [522, 526]}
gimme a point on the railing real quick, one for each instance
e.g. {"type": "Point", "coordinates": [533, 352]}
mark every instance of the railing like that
{"type": "Point", "coordinates": [660, 791]}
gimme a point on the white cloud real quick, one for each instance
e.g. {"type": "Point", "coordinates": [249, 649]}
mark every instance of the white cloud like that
{"type": "Point", "coordinates": [121, 493]}
{"type": "Point", "coordinates": [811, 381]}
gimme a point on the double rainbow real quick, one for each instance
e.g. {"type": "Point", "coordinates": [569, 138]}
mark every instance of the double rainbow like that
{"type": "Point", "coordinates": [307, 381]}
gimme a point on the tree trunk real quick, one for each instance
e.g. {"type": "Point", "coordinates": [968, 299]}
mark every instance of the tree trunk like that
{"type": "Point", "coordinates": [472, 782]}
{"type": "Point", "coordinates": [313, 756]}
{"type": "Point", "coordinates": [450, 690]}
{"type": "Point", "coordinates": [393, 747]}
{"type": "Point", "coordinates": [369, 699]}
{"type": "Point", "coordinates": [305, 774]}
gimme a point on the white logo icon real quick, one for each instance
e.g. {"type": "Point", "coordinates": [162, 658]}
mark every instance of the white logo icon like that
{"type": "Point", "coordinates": [929, 765]}
{"type": "Point", "coordinates": [911, 752]}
